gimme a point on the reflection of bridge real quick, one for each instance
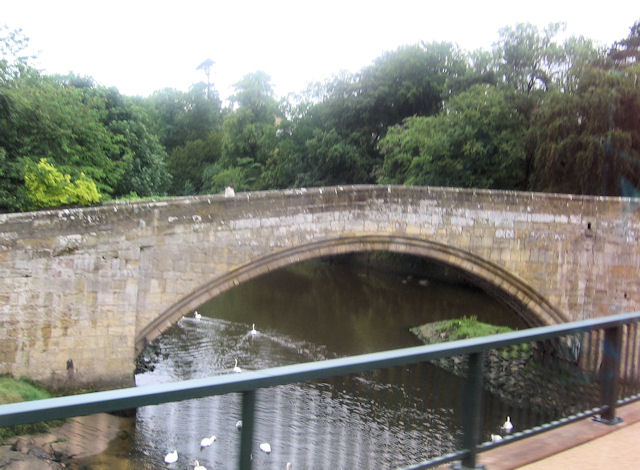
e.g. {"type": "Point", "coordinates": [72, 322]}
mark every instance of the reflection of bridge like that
{"type": "Point", "coordinates": [84, 289]}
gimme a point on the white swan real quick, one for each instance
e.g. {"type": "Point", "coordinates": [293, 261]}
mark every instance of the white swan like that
{"type": "Point", "coordinates": [289, 466]}
{"type": "Point", "coordinates": [496, 437]}
{"type": "Point", "coordinates": [236, 368]}
{"type": "Point", "coordinates": [197, 466]}
{"type": "Point", "coordinates": [253, 330]}
{"type": "Point", "coordinates": [239, 424]}
{"type": "Point", "coordinates": [171, 457]}
{"type": "Point", "coordinates": [196, 315]}
{"type": "Point", "coordinates": [265, 447]}
{"type": "Point", "coordinates": [507, 426]}
{"type": "Point", "coordinates": [207, 441]}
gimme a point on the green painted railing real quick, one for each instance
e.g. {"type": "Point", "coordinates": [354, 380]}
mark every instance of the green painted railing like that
{"type": "Point", "coordinates": [600, 354]}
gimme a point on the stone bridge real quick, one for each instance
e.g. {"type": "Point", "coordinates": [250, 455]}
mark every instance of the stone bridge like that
{"type": "Point", "coordinates": [83, 290]}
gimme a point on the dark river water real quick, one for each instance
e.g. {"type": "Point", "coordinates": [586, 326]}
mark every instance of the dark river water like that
{"type": "Point", "coordinates": [307, 312]}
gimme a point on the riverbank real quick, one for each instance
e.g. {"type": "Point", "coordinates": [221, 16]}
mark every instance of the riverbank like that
{"type": "Point", "coordinates": [53, 445]}
{"type": "Point", "coordinates": [77, 438]}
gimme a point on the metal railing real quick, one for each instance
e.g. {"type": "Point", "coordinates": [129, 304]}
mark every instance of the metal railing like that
{"type": "Point", "coordinates": [541, 378]}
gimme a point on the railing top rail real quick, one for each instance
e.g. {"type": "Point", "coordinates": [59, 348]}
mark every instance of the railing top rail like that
{"type": "Point", "coordinates": [111, 400]}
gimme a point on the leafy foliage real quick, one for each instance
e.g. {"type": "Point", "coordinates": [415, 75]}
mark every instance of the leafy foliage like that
{"type": "Point", "coordinates": [626, 52]}
{"type": "Point", "coordinates": [589, 141]}
{"type": "Point", "coordinates": [478, 141]}
{"type": "Point", "coordinates": [249, 135]}
{"type": "Point", "coordinates": [531, 113]}
{"type": "Point", "coordinates": [47, 187]}
{"type": "Point", "coordinates": [41, 119]}
{"type": "Point", "coordinates": [87, 132]}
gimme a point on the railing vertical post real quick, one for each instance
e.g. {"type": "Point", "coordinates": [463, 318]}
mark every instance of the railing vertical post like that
{"type": "Point", "coordinates": [246, 434]}
{"type": "Point", "coordinates": [472, 409]}
{"type": "Point", "coordinates": [610, 374]}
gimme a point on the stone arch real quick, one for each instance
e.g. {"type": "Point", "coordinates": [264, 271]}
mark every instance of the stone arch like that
{"type": "Point", "coordinates": [525, 301]}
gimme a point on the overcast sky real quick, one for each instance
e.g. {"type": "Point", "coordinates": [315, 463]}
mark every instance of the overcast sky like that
{"type": "Point", "coordinates": [140, 46]}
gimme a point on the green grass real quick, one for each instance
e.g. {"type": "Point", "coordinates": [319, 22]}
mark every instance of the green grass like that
{"type": "Point", "coordinates": [468, 327]}
{"type": "Point", "coordinates": [457, 328]}
{"type": "Point", "coordinates": [463, 328]}
{"type": "Point", "coordinates": [13, 391]}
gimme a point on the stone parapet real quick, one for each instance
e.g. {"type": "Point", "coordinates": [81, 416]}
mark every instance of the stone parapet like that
{"type": "Point", "coordinates": [83, 289]}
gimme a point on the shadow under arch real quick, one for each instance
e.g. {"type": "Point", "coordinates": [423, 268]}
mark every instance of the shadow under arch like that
{"type": "Point", "coordinates": [495, 280]}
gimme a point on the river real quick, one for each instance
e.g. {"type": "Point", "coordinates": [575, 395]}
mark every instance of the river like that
{"type": "Point", "coordinates": [307, 312]}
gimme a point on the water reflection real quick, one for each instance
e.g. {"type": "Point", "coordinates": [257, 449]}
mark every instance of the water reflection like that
{"type": "Point", "coordinates": [310, 312]}
{"type": "Point", "coordinates": [370, 418]}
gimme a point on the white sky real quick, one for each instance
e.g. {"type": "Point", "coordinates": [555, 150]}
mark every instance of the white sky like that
{"type": "Point", "coordinates": [140, 46]}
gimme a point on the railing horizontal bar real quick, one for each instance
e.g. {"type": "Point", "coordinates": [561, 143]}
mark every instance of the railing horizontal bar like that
{"type": "Point", "coordinates": [627, 400]}
{"type": "Point", "coordinates": [133, 397]}
{"type": "Point", "coordinates": [514, 437]}
{"type": "Point", "coordinates": [437, 461]}
{"type": "Point", "coordinates": [539, 429]}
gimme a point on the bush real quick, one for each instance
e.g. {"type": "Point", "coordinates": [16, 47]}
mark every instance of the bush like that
{"type": "Point", "coordinates": [47, 187]}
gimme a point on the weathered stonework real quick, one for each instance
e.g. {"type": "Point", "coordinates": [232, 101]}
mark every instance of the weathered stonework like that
{"type": "Point", "coordinates": [82, 290]}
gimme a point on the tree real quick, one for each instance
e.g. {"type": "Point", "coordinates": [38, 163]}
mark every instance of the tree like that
{"type": "Point", "coordinates": [42, 119]}
{"type": "Point", "coordinates": [330, 160]}
{"type": "Point", "coordinates": [527, 60]}
{"type": "Point", "coordinates": [249, 140]}
{"type": "Point", "coordinates": [180, 117]}
{"type": "Point", "coordinates": [206, 67]}
{"type": "Point", "coordinates": [412, 80]}
{"type": "Point", "coordinates": [190, 164]}
{"type": "Point", "coordinates": [477, 141]}
{"type": "Point", "coordinates": [189, 126]}
{"type": "Point", "coordinates": [626, 52]}
{"type": "Point", "coordinates": [589, 141]}
{"type": "Point", "coordinates": [13, 60]}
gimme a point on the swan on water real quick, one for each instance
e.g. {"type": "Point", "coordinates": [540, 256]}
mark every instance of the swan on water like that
{"type": "Point", "coordinates": [171, 457]}
{"type": "Point", "coordinates": [265, 447]}
{"type": "Point", "coordinates": [236, 368]}
{"type": "Point", "coordinates": [289, 467]}
{"type": "Point", "coordinates": [207, 441]}
{"type": "Point", "coordinates": [197, 466]}
{"type": "Point", "coordinates": [239, 424]}
{"type": "Point", "coordinates": [507, 426]}
{"type": "Point", "coordinates": [196, 315]}
{"type": "Point", "coordinates": [253, 330]}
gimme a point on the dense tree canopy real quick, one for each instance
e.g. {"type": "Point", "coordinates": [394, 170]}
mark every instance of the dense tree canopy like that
{"type": "Point", "coordinates": [478, 140]}
{"type": "Point", "coordinates": [589, 141]}
{"type": "Point", "coordinates": [532, 113]}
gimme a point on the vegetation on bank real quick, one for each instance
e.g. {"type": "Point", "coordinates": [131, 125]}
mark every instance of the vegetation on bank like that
{"type": "Point", "coordinates": [17, 390]}
{"type": "Point", "coordinates": [536, 112]}
{"type": "Point", "coordinates": [455, 329]}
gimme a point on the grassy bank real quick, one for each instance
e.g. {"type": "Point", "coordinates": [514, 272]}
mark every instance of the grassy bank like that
{"type": "Point", "coordinates": [15, 390]}
{"type": "Point", "coordinates": [457, 328]}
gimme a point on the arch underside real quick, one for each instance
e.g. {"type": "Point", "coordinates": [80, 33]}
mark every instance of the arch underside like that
{"type": "Point", "coordinates": [495, 280]}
